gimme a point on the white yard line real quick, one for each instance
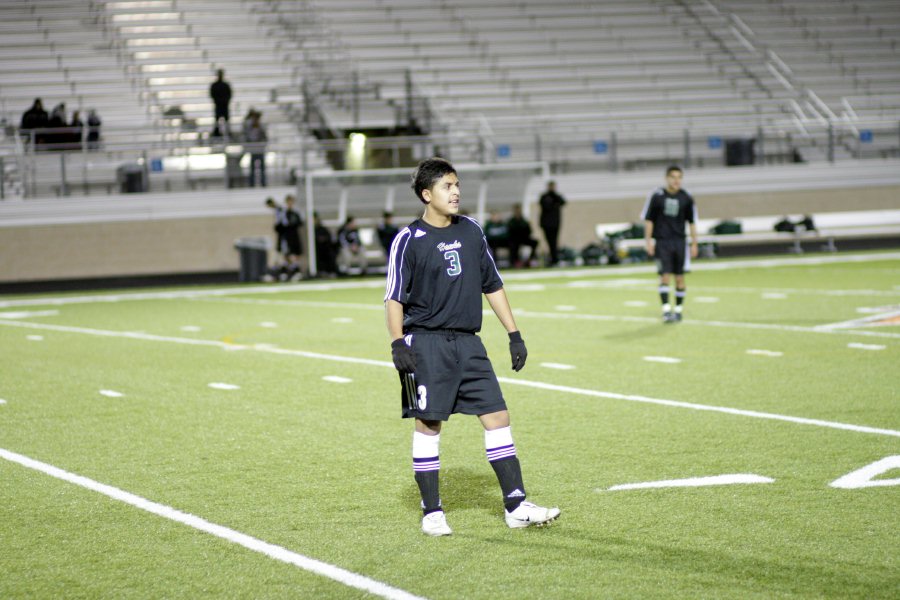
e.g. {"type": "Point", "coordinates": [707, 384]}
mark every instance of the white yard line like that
{"type": "Point", "coordinates": [306, 563]}
{"type": "Point", "coordinates": [511, 381]}
{"type": "Point", "coordinates": [592, 272]}
{"type": "Point", "coordinates": [739, 478]}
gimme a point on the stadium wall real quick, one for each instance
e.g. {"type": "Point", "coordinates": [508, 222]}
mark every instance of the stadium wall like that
{"type": "Point", "coordinates": [177, 234]}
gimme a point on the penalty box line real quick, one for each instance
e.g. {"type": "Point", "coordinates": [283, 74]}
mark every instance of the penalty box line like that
{"type": "Point", "coordinates": [279, 553]}
{"type": "Point", "coordinates": [509, 380]}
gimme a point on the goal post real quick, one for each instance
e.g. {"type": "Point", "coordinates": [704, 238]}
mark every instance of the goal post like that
{"type": "Point", "coordinates": [366, 194]}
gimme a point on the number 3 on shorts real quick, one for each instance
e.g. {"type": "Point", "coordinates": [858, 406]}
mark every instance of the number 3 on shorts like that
{"type": "Point", "coordinates": [455, 266]}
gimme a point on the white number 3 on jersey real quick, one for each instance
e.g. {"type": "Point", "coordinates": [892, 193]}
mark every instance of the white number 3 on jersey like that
{"type": "Point", "coordinates": [455, 267]}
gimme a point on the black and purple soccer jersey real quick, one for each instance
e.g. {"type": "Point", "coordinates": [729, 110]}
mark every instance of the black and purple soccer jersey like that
{"type": "Point", "coordinates": [439, 274]}
{"type": "Point", "coordinates": [669, 213]}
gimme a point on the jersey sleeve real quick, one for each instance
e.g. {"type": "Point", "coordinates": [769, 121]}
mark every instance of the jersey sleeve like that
{"type": "Point", "coordinates": [691, 209]}
{"type": "Point", "coordinates": [399, 272]}
{"type": "Point", "coordinates": [651, 207]}
{"type": "Point", "coordinates": [490, 276]}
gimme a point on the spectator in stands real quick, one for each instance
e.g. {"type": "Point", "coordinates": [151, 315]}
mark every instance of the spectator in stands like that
{"type": "Point", "coordinates": [325, 247]}
{"type": "Point", "coordinates": [35, 118]}
{"type": "Point", "coordinates": [94, 123]}
{"type": "Point", "coordinates": [519, 230]}
{"type": "Point", "coordinates": [807, 223]}
{"type": "Point", "coordinates": [351, 252]}
{"type": "Point", "coordinates": [496, 232]}
{"type": "Point", "coordinates": [665, 214]}
{"type": "Point", "coordinates": [220, 92]}
{"type": "Point", "coordinates": [57, 121]}
{"type": "Point", "coordinates": [255, 144]}
{"type": "Point", "coordinates": [785, 225]}
{"type": "Point", "coordinates": [387, 231]}
{"type": "Point", "coordinates": [551, 216]}
{"type": "Point", "coordinates": [75, 133]}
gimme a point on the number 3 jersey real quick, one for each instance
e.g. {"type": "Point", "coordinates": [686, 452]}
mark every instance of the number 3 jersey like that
{"type": "Point", "coordinates": [669, 213]}
{"type": "Point", "coordinates": [439, 273]}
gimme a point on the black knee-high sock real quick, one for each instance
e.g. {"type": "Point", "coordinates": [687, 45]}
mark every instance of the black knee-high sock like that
{"type": "Point", "coordinates": [501, 453]}
{"type": "Point", "coordinates": [426, 468]}
{"type": "Point", "coordinates": [430, 491]}
{"type": "Point", "coordinates": [664, 294]}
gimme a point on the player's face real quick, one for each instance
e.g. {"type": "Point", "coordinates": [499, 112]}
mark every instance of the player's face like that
{"type": "Point", "coordinates": [673, 181]}
{"type": "Point", "coordinates": [443, 197]}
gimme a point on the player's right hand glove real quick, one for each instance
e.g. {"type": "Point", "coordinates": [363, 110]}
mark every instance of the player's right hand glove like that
{"type": "Point", "coordinates": [517, 350]}
{"type": "Point", "coordinates": [403, 355]}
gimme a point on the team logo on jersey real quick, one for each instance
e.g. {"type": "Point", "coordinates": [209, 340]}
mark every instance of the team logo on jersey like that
{"type": "Point", "coordinates": [419, 233]}
{"type": "Point", "coordinates": [454, 245]}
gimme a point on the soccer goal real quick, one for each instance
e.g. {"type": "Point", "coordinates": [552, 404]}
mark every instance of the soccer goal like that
{"type": "Point", "coordinates": [365, 195]}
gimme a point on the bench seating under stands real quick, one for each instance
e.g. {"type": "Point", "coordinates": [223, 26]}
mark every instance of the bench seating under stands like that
{"type": "Point", "coordinates": [831, 229]}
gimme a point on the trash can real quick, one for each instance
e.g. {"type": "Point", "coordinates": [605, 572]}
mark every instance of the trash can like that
{"type": "Point", "coordinates": [254, 256]}
{"type": "Point", "coordinates": [234, 174]}
{"type": "Point", "coordinates": [131, 178]}
{"type": "Point", "coordinates": [739, 152]}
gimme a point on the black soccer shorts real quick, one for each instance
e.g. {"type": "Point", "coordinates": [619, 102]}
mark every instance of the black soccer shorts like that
{"type": "Point", "coordinates": [453, 375]}
{"type": "Point", "coordinates": [670, 256]}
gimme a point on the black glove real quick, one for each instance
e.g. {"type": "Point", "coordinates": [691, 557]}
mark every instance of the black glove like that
{"type": "Point", "coordinates": [403, 355]}
{"type": "Point", "coordinates": [517, 350]}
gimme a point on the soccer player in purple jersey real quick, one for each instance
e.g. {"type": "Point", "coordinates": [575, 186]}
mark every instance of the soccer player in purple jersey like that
{"type": "Point", "coordinates": [439, 266]}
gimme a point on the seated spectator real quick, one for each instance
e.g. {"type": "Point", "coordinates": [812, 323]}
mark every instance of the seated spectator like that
{"type": "Point", "coordinates": [57, 121]}
{"type": "Point", "coordinates": [784, 225]}
{"type": "Point", "coordinates": [496, 233]}
{"type": "Point", "coordinates": [519, 230]}
{"type": "Point", "coordinates": [35, 118]}
{"type": "Point", "coordinates": [74, 135]}
{"type": "Point", "coordinates": [387, 231]}
{"type": "Point", "coordinates": [351, 253]}
{"type": "Point", "coordinates": [806, 223]}
{"type": "Point", "coordinates": [94, 122]}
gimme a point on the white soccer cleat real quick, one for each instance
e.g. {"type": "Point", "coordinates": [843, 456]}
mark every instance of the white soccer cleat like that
{"type": "Point", "coordinates": [528, 514]}
{"type": "Point", "coordinates": [435, 524]}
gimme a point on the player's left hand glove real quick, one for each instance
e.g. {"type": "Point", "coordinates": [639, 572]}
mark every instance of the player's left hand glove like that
{"type": "Point", "coordinates": [403, 355]}
{"type": "Point", "coordinates": [517, 350]}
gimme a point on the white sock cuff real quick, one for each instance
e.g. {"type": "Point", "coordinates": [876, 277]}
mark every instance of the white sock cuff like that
{"type": "Point", "coordinates": [425, 446]}
{"type": "Point", "coordinates": [497, 438]}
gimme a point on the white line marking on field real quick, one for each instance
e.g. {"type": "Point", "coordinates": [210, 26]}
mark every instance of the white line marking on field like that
{"type": "Point", "coordinates": [224, 386]}
{"type": "Point", "coordinates": [337, 379]}
{"type": "Point", "coordinates": [269, 325]}
{"type": "Point", "coordinates": [663, 359]}
{"type": "Point", "coordinates": [111, 394]}
{"type": "Point", "coordinates": [706, 299]}
{"type": "Point", "coordinates": [865, 477]}
{"type": "Point", "coordinates": [190, 328]}
{"type": "Point", "coordinates": [635, 303]}
{"type": "Point", "coordinates": [342, 320]}
{"type": "Point", "coordinates": [28, 314]}
{"type": "Point", "coordinates": [692, 322]}
{"type": "Point", "coordinates": [265, 346]}
{"type": "Point", "coordinates": [859, 346]}
{"type": "Point", "coordinates": [279, 553]}
{"type": "Point", "coordinates": [565, 307]}
{"type": "Point", "coordinates": [887, 317]}
{"type": "Point", "coordinates": [2, 401]}
{"type": "Point", "coordinates": [723, 265]}
{"type": "Point", "coordinates": [773, 296]}
{"type": "Point", "coordinates": [739, 478]}
{"type": "Point", "coordinates": [773, 353]}
{"type": "Point", "coordinates": [559, 366]}
{"type": "Point", "coordinates": [526, 383]}
{"type": "Point", "coordinates": [526, 287]}
{"type": "Point", "coordinates": [34, 338]}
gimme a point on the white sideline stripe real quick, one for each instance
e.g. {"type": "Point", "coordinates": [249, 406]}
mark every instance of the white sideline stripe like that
{"type": "Point", "coordinates": [724, 324]}
{"type": "Point", "coordinates": [312, 565]}
{"type": "Point", "coordinates": [866, 346]}
{"type": "Point", "coordinates": [758, 352]}
{"type": "Point", "coordinates": [379, 283]}
{"type": "Point", "coordinates": [695, 482]}
{"type": "Point", "coordinates": [559, 366]}
{"type": "Point", "coordinates": [224, 386]}
{"type": "Point", "coordinates": [337, 379]}
{"type": "Point", "coordinates": [24, 314]}
{"type": "Point", "coordinates": [522, 382]}
{"type": "Point", "coordinates": [111, 394]}
{"type": "Point", "coordinates": [704, 407]}
{"type": "Point", "coordinates": [663, 359]}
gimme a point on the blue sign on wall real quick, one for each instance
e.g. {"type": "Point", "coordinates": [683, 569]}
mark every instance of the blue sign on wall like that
{"type": "Point", "coordinates": [714, 142]}
{"type": "Point", "coordinates": [601, 147]}
{"type": "Point", "coordinates": [866, 136]}
{"type": "Point", "coordinates": [503, 151]}
{"type": "Point", "coordinates": [156, 165]}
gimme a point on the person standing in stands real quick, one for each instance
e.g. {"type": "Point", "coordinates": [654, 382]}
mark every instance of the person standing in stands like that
{"type": "Point", "coordinates": [255, 144]}
{"type": "Point", "coordinates": [551, 216]}
{"type": "Point", "coordinates": [220, 92]}
{"type": "Point", "coordinates": [665, 214]}
{"type": "Point", "coordinates": [35, 118]}
{"type": "Point", "coordinates": [438, 270]}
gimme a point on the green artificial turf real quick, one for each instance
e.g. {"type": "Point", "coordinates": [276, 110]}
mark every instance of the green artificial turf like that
{"type": "Point", "coordinates": [321, 467]}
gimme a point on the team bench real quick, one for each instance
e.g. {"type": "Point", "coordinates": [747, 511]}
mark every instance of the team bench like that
{"type": "Point", "coordinates": [830, 229]}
